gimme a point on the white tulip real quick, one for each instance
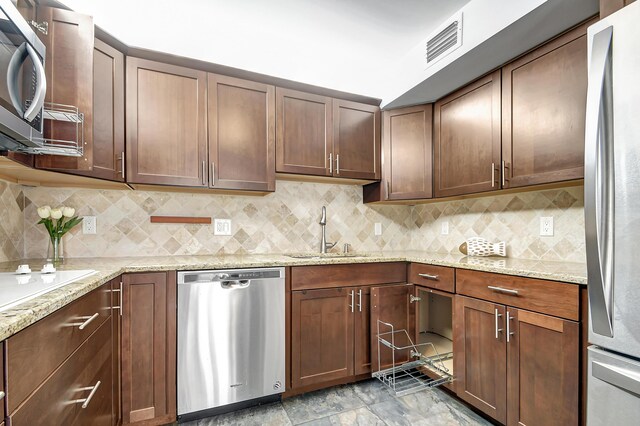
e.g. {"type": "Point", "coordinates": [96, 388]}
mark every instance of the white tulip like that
{"type": "Point", "coordinates": [44, 212]}
{"type": "Point", "coordinates": [68, 211]}
{"type": "Point", "coordinates": [56, 213]}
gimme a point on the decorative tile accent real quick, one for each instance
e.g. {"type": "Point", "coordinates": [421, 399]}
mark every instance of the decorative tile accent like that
{"type": "Point", "coordinates": [12, 224]}
{"type": "Point", "coordinates": [514, 218]}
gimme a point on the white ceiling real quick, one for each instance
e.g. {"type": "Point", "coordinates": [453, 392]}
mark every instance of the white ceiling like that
{"type": "Point", "coordinates": [346, 45]}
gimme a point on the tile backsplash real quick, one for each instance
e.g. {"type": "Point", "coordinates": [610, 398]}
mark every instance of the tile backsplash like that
{"type": "Point", "coordinates": [287, 221]}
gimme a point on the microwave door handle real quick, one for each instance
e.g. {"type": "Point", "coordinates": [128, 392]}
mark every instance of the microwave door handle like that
{"type": "Point", "coordinates": [599, 184]}
{"type": "Point", "coordinates": [12, 77]}
{"type": "Point", "coordinates": [41, 87]}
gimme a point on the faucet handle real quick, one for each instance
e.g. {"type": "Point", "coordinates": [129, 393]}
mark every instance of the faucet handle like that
{"type": "Point", "coordinates": [345, 248]}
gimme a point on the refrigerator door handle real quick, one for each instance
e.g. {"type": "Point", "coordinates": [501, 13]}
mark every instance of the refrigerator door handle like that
{"type": "Point", "coordinates": [619, 377]}
{"type": "Point", "coordinates": [599, 184]}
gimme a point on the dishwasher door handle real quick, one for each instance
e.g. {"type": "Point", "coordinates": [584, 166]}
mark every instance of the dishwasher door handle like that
{"type": "Point", "coordinates": [230, 285]}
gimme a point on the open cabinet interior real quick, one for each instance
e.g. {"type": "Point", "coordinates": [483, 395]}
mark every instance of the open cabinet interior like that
{"type": "Point", "coordinates": [411, 337]}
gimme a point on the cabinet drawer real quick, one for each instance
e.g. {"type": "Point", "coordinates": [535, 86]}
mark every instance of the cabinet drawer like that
{"type": "Point", "coordinates": [547, 297]}
{"type": "Point", "coordinates": [347, 275]}
{"type": "Point", "coordinates": [60, 398]}
{"type": "Point", "coordinates": [35, 352]}
{"type": "Point", "coordinates": [438, 277]}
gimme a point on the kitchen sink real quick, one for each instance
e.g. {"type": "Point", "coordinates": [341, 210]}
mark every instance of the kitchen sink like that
{"type": "Point", "coordinates": [324, 255]}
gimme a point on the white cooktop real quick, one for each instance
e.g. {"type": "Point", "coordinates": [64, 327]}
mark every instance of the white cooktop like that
{"type": "Point", "coordinates": [18, 288]}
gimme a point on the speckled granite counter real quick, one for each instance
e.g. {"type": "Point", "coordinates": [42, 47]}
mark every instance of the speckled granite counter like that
{"type": "Point", "coordinates": [25, 314]}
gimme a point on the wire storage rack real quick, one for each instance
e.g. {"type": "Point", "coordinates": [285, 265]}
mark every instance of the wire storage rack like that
{"type": "Point", "coordinates": [405, 377]}
{"type": "Point", "coordinates": [69, 122]}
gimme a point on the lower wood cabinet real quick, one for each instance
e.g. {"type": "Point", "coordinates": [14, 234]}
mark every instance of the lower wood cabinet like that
{"type": "Point", "coordinates": [517, 366]}
{"type": "Point", "coordinates": [116, 333]}
{"type": "Point", "coordinates": [149, 348]}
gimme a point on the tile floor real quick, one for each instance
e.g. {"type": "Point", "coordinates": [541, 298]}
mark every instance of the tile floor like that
{"type": "Point", "coordinates": [364, 403]}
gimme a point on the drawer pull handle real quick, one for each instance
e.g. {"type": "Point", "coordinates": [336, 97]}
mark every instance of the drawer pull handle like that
{"type": "Point", "coordinates": [86, 323]}
{"type": "Point", "coordinates": [503, 290]}
{"type": "Point", "coordinates": [430, 277]}
{"type": "Point", "coordinates": [2, 394]}
{"type": "Point", "coordinates": [87, 400]}
{"type": "Point", "coordinates": [498, 329]}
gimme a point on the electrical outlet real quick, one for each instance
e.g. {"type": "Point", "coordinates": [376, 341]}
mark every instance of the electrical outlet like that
{"type": "Point", "coordinates": [377, 229]}
{"type": "Point", "coordinates": [89, 225]}
{"type": "Point", "coordinates": [445, 228]}
{"type": "Point", "coordinates": [546, 226]}
{"type": "Point", "coordinates": [222, 227]}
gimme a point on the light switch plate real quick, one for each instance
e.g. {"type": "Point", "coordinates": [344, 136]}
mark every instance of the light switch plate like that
{"type": "Point", "coordinates": [89, 225]}
{"type": "Point", "coordinates": [222, 227]}
{"type": "Point", "coordinates": [546, 226]}
{"type": "Point", "coordinates": [377, 229]}
{"type": "Point", "coordinates": [445, 228]}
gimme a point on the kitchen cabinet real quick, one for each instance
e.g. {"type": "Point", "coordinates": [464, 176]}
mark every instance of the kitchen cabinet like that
{"type": "Point", "coordinates": [149, 348]}
{"type": "Point", "coordinates": [166, 132]}
{"type": "Point", "coordinates": [241, 134]}
{"type": "Point", "coordinates": [607, 7]}
{"type": "Point", "coordinates": [407, 143]}
{"type": "Point", "coordinates": [116, 333]}
{"type": "Point", "coordinates": [304, 133]}
{"type": "Point", "coordinates": [330, 321]}
{"type": "Point", "coordinates": [517, 365]}
{"type": "Point", "coordinates": [69, 70]}
{"type": "Point", "coordinates": [466, 139]}
{"type": "Point", "coordinates": [64, 357]}
{"type": "Point", "coordinates": [544, 94]}
{"type": "Point", "coordinates": [321, 136]}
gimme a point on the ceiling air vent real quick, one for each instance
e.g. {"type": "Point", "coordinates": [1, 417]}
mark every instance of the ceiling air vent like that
{"type": "Point", "coordinates": [446, 39]}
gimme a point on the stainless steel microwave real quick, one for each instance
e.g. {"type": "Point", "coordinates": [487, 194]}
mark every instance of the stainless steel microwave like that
{"type": "Point", "coordinates": [23, 82]}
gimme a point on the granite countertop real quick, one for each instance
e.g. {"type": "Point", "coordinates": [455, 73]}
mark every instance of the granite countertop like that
{"type": "Point", "coordinates": [19, 317]}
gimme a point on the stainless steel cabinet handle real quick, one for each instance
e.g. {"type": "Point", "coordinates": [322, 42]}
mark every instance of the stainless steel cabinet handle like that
{"type": "Point", "coordinates": [213, 174]}
{"type": "Point", "coordinates": [504, 172]}
{"type": "Point", "coordinates": [337, 164]}
{"type": "Point", "coordinates": [87, 400]}
{"type": "Point", "coordinates": [360, 300]}
{"type": "Point", "coordinates": [599, 184]}
{"type": "Point", "coordinates": [509, 333]}
{"type": "Point", "coordinates": [430, 277]}
{"type": "Point", "coordinates": [503, 290]}
{"type": "Point", "coordinates": [498, 329]}
{"type": "Point", "coordinates": [330, 163]}
{"type": "Point", "coordinates": [122, 164]}
{"type": "Point", "coordinates": [119, 291]}
{"type": "Point", "coordinates": [204, 173]}
{"type": "Point", "coordinates": [2, 394]}
{"type": "Point", "coordinates": [388, 189]}
{"type": "Point", "coordinates": [352, 295]}
{"type": "Point", "coordinates": [493, 175]}
{"type": "Point", "coordinates": [86, 323]}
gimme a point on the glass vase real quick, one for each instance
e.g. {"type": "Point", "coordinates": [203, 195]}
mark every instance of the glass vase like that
{"type": "Point", "coordinates": [54, 254]}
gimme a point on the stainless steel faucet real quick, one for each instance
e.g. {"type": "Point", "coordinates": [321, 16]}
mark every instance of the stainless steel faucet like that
{"type": "Point", "coordinates": [324, 245]}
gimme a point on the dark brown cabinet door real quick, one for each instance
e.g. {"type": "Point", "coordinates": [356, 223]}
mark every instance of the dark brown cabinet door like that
{"type": "Point", "coordinates": [166, 111]}
{"type": "Point", "coordinates": [241, 134]}
{"type": "Point", "coordinates": [149, 348]}
{"type": "Point", "coordinates": [116, 333]}
{"type": "Point", "coordinates": [362, 331]}
{"type": "Point", "coordinates": [391, 305]}
{"type": "Point", "coordinates": [543, 369]}
{"type": "Point", "coordinates": [108, 113]}
{"type": "Point", "coordinates": [480, 358]}
{"type": "Point", "coordinates": [544, 95]}
{"type": "Point", "coordinates": [322, 324]}
{"type": "Point", "coordinates": [466, 139]}
{"type": "Point", "coordinates": [607, 7]}
{"type": "Point", "coordinates": [69, 70]}
{"type": "Point", "coordinates": [408, 146]}
{"type": "Point", "coordinates": [304, 133]}
{"type": "Point", "coordinates": [356, 140]}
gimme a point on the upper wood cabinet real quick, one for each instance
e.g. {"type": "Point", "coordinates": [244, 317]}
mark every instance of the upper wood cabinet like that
{"type": "Point", "coordinates": [321, 136]}
{"type": "Point", "coordinates": [544, 94]}
{"type": "Point", "coordinates": [304, 132]}
{"type": "Point", "coordinates": [356, 140]}
{"type": "Point", "coordinates": [607, 7]}
{"type": "Point", "coordinates": [149, 348]}
{"type": "Point", "coordinates": [466, 139]}
{"type": "Point", "coordinates": [241, 134]}
{"type": "Point", "coordinates": [69, 70]}
{"type": "Point", "coordinates": [166, 124]}
{"type": "Point", "coordinates": [407, 160]}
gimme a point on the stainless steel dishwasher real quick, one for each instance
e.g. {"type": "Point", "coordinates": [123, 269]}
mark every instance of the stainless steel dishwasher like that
{"type": "Point", "coordinates": [231, 339]}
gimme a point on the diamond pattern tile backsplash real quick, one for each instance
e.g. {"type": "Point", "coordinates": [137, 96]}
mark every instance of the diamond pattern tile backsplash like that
{"type": "Point", "coordinates": [287, 221]}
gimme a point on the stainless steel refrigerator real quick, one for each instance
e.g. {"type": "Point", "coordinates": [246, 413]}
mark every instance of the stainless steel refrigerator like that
{"type": "Point", "coordinates": [612, 218]}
